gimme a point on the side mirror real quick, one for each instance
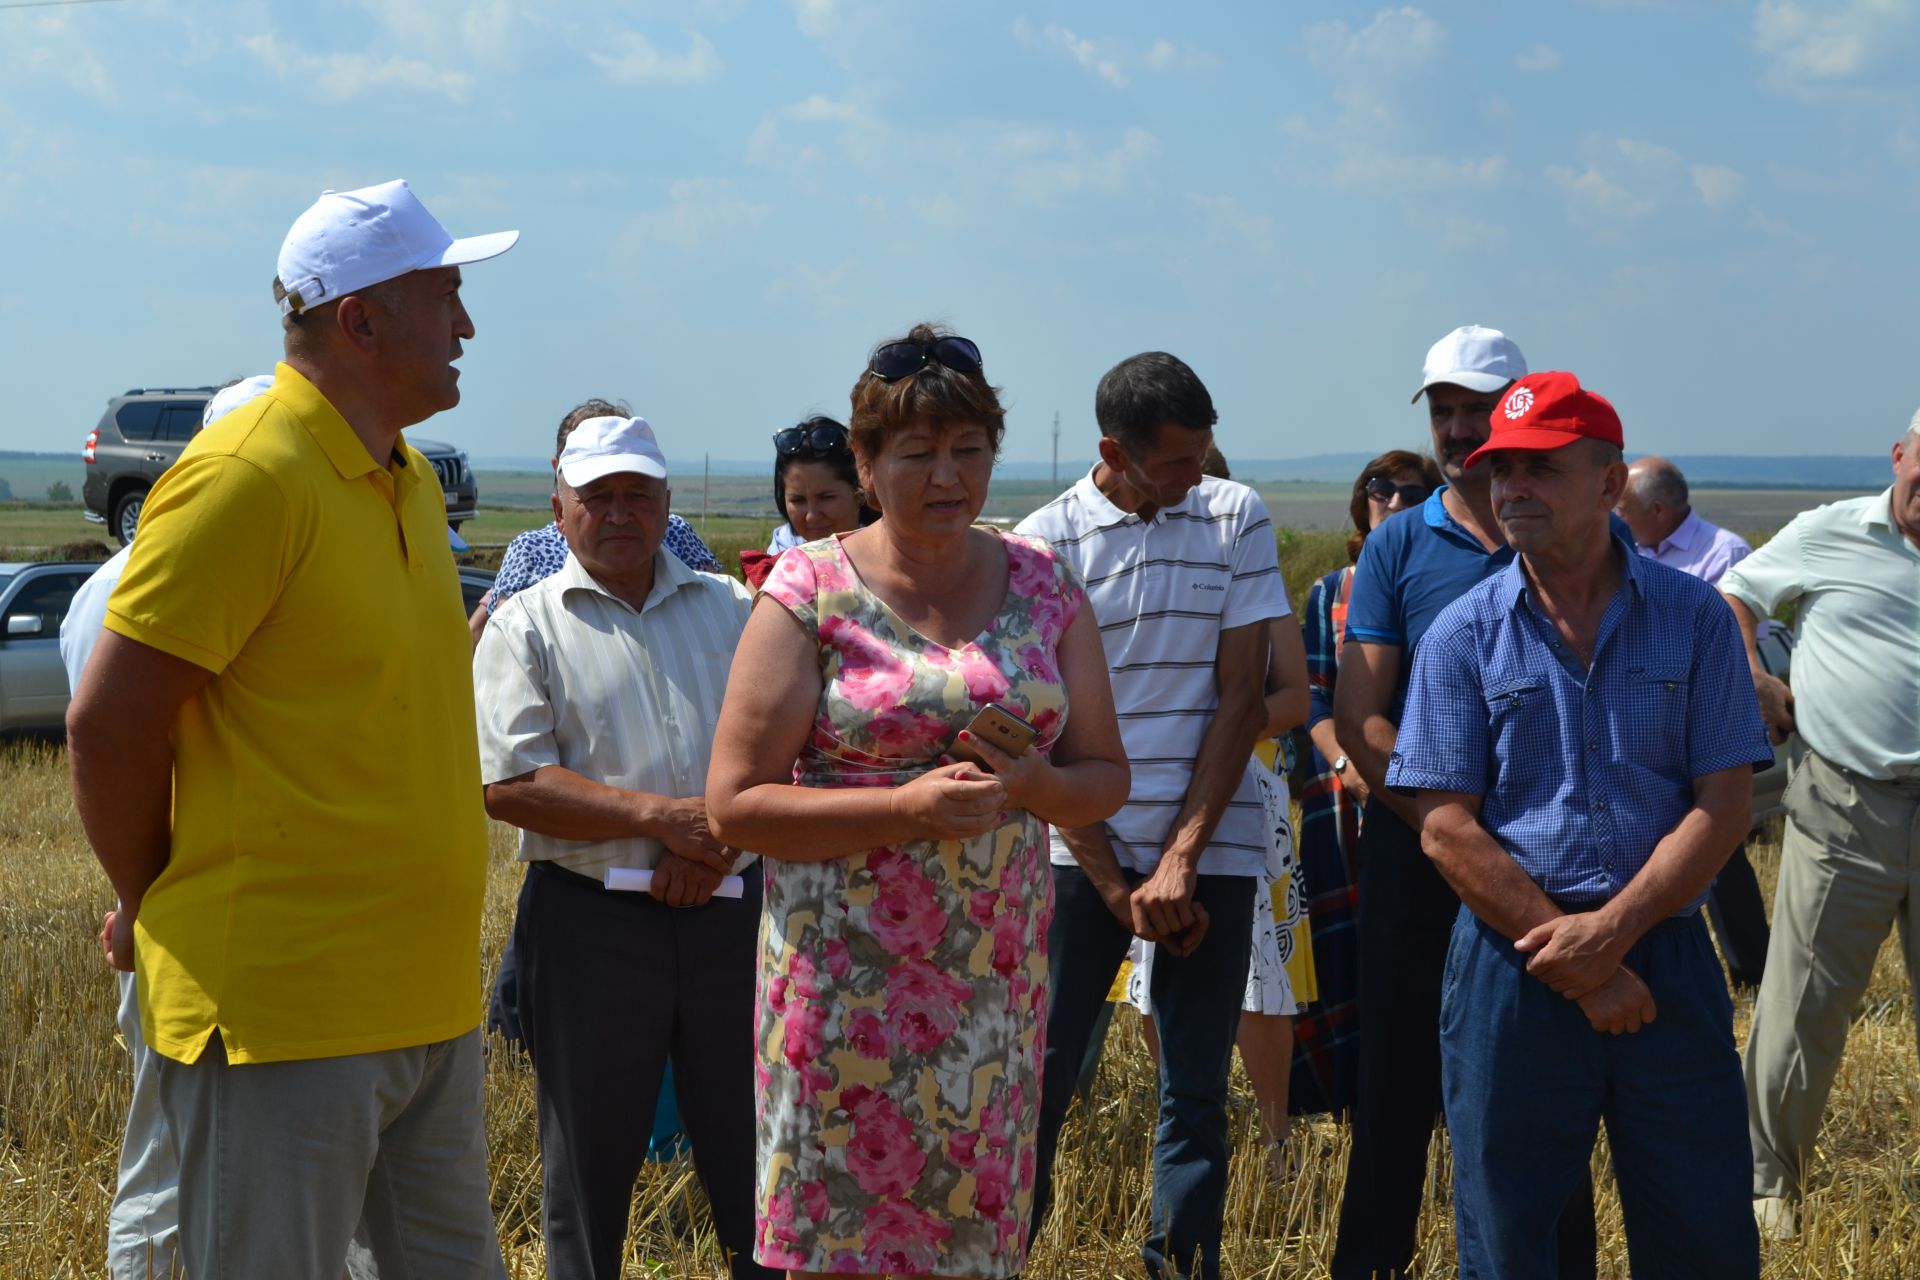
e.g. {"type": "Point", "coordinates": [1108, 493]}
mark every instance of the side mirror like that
{"type": "Point", "coordinates": [24, 624]}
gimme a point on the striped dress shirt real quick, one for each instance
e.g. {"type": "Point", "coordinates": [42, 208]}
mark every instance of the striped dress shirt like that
{"type": "Point", "coordinates": [1164, 589]}
{"type": "Point", "coordinates": [568, 674]}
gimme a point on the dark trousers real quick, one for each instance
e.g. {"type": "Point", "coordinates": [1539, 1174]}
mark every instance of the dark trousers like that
{"type": "Point", "coordinates": [1405, 922]}
{"type": "Point", "coordinates": [1528, 1081]}
{"type": "Point", "coordinates": [610, 986]}
{"type": "Point", "coordinates": [1739, 916]}
{"type": "Point", "coordinates": [1196, 1010]}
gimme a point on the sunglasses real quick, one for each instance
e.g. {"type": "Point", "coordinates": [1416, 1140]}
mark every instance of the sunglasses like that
{"type": "Point", "coordinates": [1381, 489]}
{"type": "Point", "coordinates": [811, 437]}
{"type": "Point", "coordinates": [898, 360]}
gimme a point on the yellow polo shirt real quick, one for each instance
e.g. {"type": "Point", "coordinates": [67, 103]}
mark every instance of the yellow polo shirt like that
{"type": "Point", "coordinates": [329, 842]}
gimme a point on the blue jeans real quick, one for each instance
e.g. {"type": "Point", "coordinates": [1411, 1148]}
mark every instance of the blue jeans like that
{"type": "Point", "coordinates": [1196, 1009]}
{"type": "Point", "coordinates": [1527, 1081]}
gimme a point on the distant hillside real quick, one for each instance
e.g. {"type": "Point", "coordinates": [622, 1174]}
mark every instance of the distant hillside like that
{"type": "Point", "coordinates": [1705, 470]}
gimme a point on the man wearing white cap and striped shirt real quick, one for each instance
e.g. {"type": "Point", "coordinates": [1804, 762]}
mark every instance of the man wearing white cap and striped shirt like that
{"type": "Point", "coordinates": [598, 691]}
{"type": "Point", "coordinates": [272, 752]}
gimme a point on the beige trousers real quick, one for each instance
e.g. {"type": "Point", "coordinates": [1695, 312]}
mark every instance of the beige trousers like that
{"type": "Point", "coordinates": [1849, 868]}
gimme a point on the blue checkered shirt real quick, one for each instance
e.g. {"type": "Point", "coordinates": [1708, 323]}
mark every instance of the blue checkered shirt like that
{"type": "Point", "coordinates": [537, 555]}
{"type": "Point", "coordinates": [1581, 772]}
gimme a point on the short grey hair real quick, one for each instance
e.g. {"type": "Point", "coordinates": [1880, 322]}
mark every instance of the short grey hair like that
{"type": "Point", "coordinates": [1913, 427]}
{"type": "Point", "coordinates": [1663, 484]}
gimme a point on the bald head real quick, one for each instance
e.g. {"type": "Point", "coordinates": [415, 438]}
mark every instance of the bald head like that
{"type": "Point", "coordinates": [1655, 501]}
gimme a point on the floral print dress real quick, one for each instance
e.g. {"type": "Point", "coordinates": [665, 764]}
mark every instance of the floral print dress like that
{"type": "Point", "coordinates": [902, 996]}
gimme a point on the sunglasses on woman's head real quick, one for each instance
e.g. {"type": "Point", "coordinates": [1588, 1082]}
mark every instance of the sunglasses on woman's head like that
{"type": "Point", "coordinates": [1381, 489]}
{"type": "Point", "coordinates": [896, 360]}
{"type": "Point", "coordinates": [816, 437]}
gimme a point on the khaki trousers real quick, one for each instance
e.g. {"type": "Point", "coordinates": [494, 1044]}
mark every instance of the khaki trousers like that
{"type": "Point", "coordinates": [1849, 868]}
{"type": "Point", "coordinates": [370, 1163]}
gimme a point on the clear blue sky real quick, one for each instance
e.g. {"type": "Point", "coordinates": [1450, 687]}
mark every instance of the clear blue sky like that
{"type": "Point", "coordinates": [1705, 209]}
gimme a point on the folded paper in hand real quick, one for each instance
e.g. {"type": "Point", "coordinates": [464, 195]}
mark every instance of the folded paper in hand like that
{"type": "Point", "coordinates": [632, 881]}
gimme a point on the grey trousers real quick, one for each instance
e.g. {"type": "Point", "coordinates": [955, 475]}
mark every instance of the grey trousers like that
{"type": "Point", "coordinates": [1849, 869]}
{"type": "Point", "coordinates": [143, 1227]}
{"type": "Point", "coordinates": [283, 1163]}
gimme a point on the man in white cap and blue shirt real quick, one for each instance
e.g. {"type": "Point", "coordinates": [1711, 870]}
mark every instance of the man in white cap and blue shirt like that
{"type": "Point", "coordinates": [1415, 564]}
{"type": "Point", "coordinates": [598, 691]}
{"type": "Point", "coordinates": [273, 755]}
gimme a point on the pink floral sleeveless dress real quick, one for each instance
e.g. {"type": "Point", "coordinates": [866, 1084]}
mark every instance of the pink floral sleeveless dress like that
{"type": "Point", "coordinates": [902, 994]}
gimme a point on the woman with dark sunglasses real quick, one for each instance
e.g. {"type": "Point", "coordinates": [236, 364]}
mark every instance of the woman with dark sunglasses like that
{"type": "Point", "coordinates": [1326, 1039]}
{"type": "Point", "coordinates": [903, 970]}
{"type": "Point", "coordinates": [815, 484]}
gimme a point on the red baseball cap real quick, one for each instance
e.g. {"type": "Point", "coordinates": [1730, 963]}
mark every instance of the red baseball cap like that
{"type": "Point", "coordinates": [1549, 411]}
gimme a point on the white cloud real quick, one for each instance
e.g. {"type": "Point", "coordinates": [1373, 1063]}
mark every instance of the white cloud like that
{"type": "Point", "coordinates": [1374, 170]}
{"type": "Point", "coordinates": [1626, 180]}
{"type": "Point", "coordinates": [341, 76]}
{"type": "Point", "coordinates": [1718, 185]}
{"type": "Point", "coordinates": [815, 18]}
{"type": "Point", "coordinates": [1165, 55]}
{"type": "Point", "coordinates": [769, 146]}
{"type": "Point", "coordinates": [1457, 234]}
{"type": "Point", "coordinates": [1649, 154]}
{"type": "Point", "coordinates": [820, 109]}
{"type": "Point", "coordinates": [1775, 228]}
{"type": "Point", "coordinates": [1225, 216]}
{"type": "Point", "coordinates": [1396, 38]}
{"type": "Point", "coordinates": [830, 292]}
{"type": "Point", "coordinates": [1041, 167]}
{"type": "Point", "coordinates": [1808, 46]}
{"type": "Point", "coordinates": [1593, 199]}
{"type": "Point", "coordinates": [698, 210]}
{"type": "Point", "coordinates": [632, 58]}
{"type": "Point", "coordinates": [1081, 50]}
{"type": "Point", "coordinates": [1537, 57]}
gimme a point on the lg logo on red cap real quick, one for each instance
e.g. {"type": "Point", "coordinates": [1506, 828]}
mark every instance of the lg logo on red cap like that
{"type": "Point", "coordinates": [1519, 402]}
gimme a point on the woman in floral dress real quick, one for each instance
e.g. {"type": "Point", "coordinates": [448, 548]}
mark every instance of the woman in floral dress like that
{"type": "Point", "coordinates": [903, 953]}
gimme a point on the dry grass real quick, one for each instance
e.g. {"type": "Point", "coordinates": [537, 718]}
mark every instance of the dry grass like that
{"type": "Point", "coordinates": [64, 1093]}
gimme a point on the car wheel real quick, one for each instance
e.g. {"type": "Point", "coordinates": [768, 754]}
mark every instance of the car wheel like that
{"type": "Point", "coordinates": [125, 519]}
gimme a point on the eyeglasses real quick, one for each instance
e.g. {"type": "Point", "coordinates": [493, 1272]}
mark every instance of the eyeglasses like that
{"type": "Point", "coordinates": [1381, 489]}
{"type": "Point", "coordinates": [897, 360]}
{"type": "Point", "coordinates": [821, 435]}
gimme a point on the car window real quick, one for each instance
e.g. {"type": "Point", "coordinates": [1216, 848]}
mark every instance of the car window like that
{"type": "Point", "coordinates": [49, 597]}
{"type": "Point", "coordinates": [139, 419]}
{"type": "Point", "coordinates": [179, 423]}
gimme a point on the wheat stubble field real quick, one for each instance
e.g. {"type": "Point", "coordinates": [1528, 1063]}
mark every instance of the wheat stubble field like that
{"type": "Point", "coordinates": [64, 1091]}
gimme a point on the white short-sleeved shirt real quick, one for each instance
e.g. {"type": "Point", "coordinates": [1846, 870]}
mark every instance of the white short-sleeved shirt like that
{"type": "Point", "coordinates": [1163, 591]}
{"type": "Point", "coordinates": [1856, 668]}
{"type": "Point", "coordinates": [568, 674]}
{"type": "Point", "coordinates": [87, 614]}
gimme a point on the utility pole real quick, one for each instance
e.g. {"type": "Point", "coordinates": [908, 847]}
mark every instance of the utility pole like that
{"type": "Point", "coordinates": [1056, 448]}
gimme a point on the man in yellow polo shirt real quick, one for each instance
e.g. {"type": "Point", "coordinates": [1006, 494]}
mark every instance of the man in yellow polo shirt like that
{"type": "Point", "coordinates": [273, 753]}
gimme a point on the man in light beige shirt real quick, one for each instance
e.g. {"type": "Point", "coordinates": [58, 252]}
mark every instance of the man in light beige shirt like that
{"type": "Point", "coordinates": [1850, 857]}
{"type": "Point", "coordinates": [597, 691]}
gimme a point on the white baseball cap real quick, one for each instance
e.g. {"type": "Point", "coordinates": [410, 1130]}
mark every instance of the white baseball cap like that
{"type": "Point", "coordinates": [1474, 357]}
{"type": "Point", "coordinates": [227, 399]}
{"type": "Point", "coordinates": [348, 240]}
{"type": "Point", "coordinates": [607, 446]}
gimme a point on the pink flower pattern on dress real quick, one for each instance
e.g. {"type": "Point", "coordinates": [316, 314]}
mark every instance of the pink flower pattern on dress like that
{"type": "Point", "coordinates": [893, 979]}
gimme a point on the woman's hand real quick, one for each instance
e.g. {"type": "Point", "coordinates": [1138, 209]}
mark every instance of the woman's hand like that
{"type": "Point", "coordinates": [1021, 775]}
{"type": "Point", "coordinates": [951, 802]}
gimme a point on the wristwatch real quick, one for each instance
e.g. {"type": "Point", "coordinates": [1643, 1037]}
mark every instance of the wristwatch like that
{"type": "Point", "coordinates": [1340, 765]}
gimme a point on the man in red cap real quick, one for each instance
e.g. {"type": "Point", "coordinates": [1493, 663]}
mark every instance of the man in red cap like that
{"type": "Point", "coordinates": [1581, 733]}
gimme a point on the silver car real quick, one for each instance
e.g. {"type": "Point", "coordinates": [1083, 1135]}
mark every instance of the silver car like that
{"type": "Point", "coordinates": [33, 681]}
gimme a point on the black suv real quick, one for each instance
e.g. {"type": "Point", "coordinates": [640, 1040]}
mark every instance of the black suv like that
{"type": "Point", "coordinates": [143, 431]}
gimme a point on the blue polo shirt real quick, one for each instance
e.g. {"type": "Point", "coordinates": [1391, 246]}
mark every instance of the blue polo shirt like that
{"type": "Point", "coordinates": [1582, 771]}
{"type": "Point", "coordinates": [1414, 564]}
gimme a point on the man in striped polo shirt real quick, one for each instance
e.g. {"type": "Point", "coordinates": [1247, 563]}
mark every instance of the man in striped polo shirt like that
{"type": "Point", "coordinates": [1183, 574]}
